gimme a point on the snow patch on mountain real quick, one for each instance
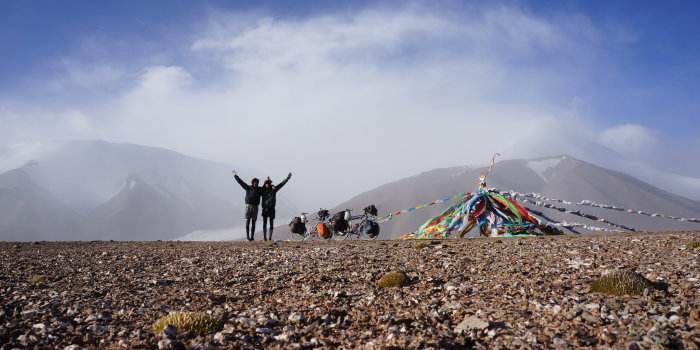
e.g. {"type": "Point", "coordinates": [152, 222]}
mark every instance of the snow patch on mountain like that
{"type": "Point", "coordinates": [544, 168]}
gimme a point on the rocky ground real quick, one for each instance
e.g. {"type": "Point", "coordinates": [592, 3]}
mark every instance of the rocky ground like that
{"type": "Point", "coordinates": [482, 293]}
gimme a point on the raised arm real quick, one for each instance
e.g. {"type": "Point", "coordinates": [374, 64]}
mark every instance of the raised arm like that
{"type": "Point", "coordinates": [240, 182]}
{"type": "Point", "coordinates": [279, 185]}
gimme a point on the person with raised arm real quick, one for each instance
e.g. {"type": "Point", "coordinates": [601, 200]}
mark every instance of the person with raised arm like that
{"type": "Point", "coordinates": [269, 200]}
{"type": "Point", "coordinates": [253, 193]}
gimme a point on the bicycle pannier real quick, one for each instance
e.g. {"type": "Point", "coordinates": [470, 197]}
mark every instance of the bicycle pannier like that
{"type": "Point", "coordinates": [339, 223]}
{"type": "Point", "coordinates": [297, 226]}
{"type": "Point", "coordinates": [323, 230]}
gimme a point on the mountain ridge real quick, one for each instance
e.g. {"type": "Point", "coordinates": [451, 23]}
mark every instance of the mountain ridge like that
{"type": "Point", "coordinates": [569, 179]}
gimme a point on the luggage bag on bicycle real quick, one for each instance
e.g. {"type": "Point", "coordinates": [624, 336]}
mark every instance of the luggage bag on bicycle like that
{"type": "Point", "coordinates": [297, 226]}
{"type": "Point", "coordinates": [339, 223]}
{"type": "Point", "coordinates": [323, 230]}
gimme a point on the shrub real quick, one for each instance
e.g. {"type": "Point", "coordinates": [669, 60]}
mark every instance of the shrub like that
{"type": "Point", "coordinates": [621, 283]}
{"type": "Point", "coordinates": [193, 322]}
{"type": "Point", "coordinates": [693, 244]}
{"type": "Point", "coordinates": [420, 245]}
{"type": "Point", "coordinates": [37, 279]}
{"type": "Point", "coordinates": [394, 279]}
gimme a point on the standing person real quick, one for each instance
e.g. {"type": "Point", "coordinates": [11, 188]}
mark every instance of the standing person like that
{"type": "Point", "coordinates": [269, 199]}
{"type": "Point", "coordinates": [252, 201]}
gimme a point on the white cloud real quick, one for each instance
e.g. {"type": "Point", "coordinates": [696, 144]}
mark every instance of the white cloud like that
{"type": "Point", "coordinates": [630, 139]}
{"type": "Point", "coordinates": [350, 101]}
{"type": "Point", "coordinates": [76, 121]}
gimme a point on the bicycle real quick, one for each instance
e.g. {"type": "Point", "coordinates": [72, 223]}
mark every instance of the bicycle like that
{"type": "Point", "coordinates": [366, 228]}
{"type": "Point", "coordinates": [310, 230]}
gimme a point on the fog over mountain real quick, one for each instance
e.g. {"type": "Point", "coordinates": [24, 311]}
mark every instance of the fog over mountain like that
{"type": "Point", "coordinates": [86, 190]}
{"type": "Point", "coordinates": [561, 177]}
{"type": "Point", "coordinates": [101, 190]}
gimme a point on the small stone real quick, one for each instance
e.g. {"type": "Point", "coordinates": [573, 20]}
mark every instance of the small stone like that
{"type": "Point", "coordinates": [632, 346]}
{"type": "Point", "coordinates": [104, 316]}
{"type": "Point", "coordinates": [654, 337]}
{"type": "Point", "coordinates": [559, 341]}
{"type": "Point", "coordinates": [471, 323]}
{"type": "Point", "coordinates": [296, 317]}
{"type": "Point", "coordinates": [169, 331]}
{"type": "Point", "coordinates": [591, 318]}
{"type": "Point", "coordinates": [161, 281]}
{"type": "Point", "coordinates": [164, 344]}
{"type": "Point", "coordinates": [265, 330]}
{"type": "Point", "coordinates": [221, 336]}
{"type": "Point", "coordinates": [73, 347]}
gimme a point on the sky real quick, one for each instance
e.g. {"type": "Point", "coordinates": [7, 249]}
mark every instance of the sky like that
{"type": "Point", "coordinates": [351, 95]}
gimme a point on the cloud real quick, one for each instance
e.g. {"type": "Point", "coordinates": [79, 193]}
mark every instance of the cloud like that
{"type": "Point", "coordinates": [353, 100]}
{"type": "Point", "coordinates": [630, 139]}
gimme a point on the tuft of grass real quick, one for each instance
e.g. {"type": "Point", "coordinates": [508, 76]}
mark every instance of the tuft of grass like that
{"type": "Point", "coordinates": [496, 241]}
{"type": "Point", "coordinates": [271, 244]}
{"type": "Point", "coordinates": [192, 322]}
{"type": "Point", "coordinates": [621, 283]}
{"type": "Point", "coordinates": [394, 278]}
{"type": "Point", "coordinates": [420, 245]}
{"type": "Point", "coordinates": [693, 244]}
{"type": "Point", "coordinates": [35, 243]}
{"type": "Point", "coordinates": [37, 279]}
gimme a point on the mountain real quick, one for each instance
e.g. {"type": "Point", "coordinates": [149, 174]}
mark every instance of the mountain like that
{"type": "Point", "coordinates": [27, 211]}
{"type": "Point", "coordinates": [561, 177]}
{"type": "Point", "coordinates": [120, 191]}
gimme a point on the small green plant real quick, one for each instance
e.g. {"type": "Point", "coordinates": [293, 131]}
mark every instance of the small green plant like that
{"type": "Point", "coordinates": [35, 243]}
{"type": "Point", "coordinates": [193, 322]}
{"type": "Point", "coordinates": [636, 331]}
{"type": "Point", "coordinates": [693, 244]}
{"type": "Point", "coordinates": [394, 279]}
{"type": "Point", "coordinates": [420, 245]}
{"type": "Point", "coordinates": [496, 241]}
{"type": "Point", "coordinates": [621, 283]}
{"type": "Point", "coordinates": [37, 279]}
{"type": "Point", "coordinates": [272, 244]}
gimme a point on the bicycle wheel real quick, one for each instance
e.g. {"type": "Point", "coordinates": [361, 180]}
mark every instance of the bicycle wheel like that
{"type": "Point", "coordinates": [296, 237]}
{"type": "Point", "coordinates": [365, 235]}
{"type": "Point", "coordinates": [340, 235]}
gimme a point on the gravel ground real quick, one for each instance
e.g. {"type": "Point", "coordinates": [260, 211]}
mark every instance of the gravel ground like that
{"type": "Point", "coordinates": [481, 293]}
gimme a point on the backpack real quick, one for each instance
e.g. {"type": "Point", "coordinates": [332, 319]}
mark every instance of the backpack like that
{"type": "Point", "coordinates": [339, 223]}
{"type": "Point", "coordinates": [371, 228]}
{"type": "Point", "coordinates": [371, 210]}
{"type": "Point", "coordinates": [323, 214]}
{"type": "Point", "coordinates": [323, 230]}
{"type": "Point", "coordinates": [297, 226]}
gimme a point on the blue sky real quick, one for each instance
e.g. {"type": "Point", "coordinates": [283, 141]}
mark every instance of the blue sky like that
{"type": "Point", "coordinates": [610, 82]}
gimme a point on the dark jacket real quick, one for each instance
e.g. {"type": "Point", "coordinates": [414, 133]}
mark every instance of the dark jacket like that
{"type": "Point", "coordinates": [269, 195]}
{"type": "Point", "coordinates": [252, 195]}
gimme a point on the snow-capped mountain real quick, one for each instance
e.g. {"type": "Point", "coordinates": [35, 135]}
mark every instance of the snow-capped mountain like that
{"type": "Point", "coordinates": [123, 191]}
{"type": "Point", "coordinates": [561, 177]}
